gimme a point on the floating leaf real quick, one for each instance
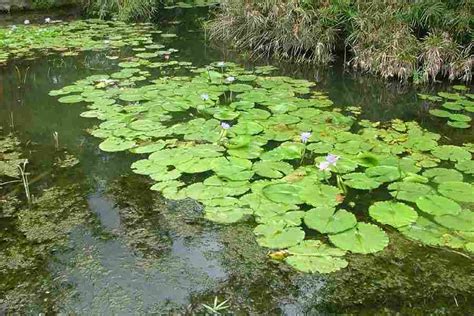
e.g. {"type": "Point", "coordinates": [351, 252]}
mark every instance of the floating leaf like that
{"type": "Point", "coordinates": [383, 173]}
{"type": "Point", "coordinates": [364, 238]}
{"type": "Point", "coordinates": [437, 205]}
{"type": "Point", "coordinates": [327, 220]}
{"type": "Point", "coordinates": [272, 169]}
{"type": "Point", "coordinates": [391, 213]}
{"type": "Point", "coordinates": [440, 175]}
{"type": "Point", "coordinates": [458, 191]}
{"type": "Point", "coordinates": [313, 256]}
{"type": "Point", "coordinates": [360, 181]}
{"type": "Point", "coordinates": [277, 235]}
{"type": "Point", "coordinates": [463, 221]}
{"type": "Point", "coordinates": [113, 144]}
{"type": "Point", "coordinates": [283, 193]}
{"type": "Point", "coordinates": [409, 191]}
{"type": "Point", "coordinates": [452, 153]}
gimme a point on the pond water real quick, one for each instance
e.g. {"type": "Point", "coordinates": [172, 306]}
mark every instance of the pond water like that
{"type": "Point", "coordinates": [106, 244]}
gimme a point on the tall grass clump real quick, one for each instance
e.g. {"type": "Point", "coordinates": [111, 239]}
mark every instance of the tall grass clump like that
{"type": "Point", "coordinates": [423, 40]}
{"type": "Point", "coordinates": [124, 10]}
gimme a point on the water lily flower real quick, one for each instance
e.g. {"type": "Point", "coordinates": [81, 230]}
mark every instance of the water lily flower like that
{"type": "Point", "coordinates": [305, 136]}
{"type": "Point", "coordinates": [221, 64]}
{"type": "Point", "coordinates": [13, 28]}
{"type": "Point", "coordinates": [332, 159]}
{"type": "Point", "coordinates": [225, 125]}
{"type": "Point", "coordinates": [323, 166]}
{"type": "Point", "coordinates": [166, 56]}
{"type": "Point", "coordinates": [205, 96]}
{"type": "Point", "coordinates": [26, 22]}
{"type": "Point", "coordinates": [47, 20]}
{"type": "Point", "coordinates": [230, 79]}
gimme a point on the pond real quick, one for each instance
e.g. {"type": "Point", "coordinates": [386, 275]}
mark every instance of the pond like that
{"type": "Point", "coordinates": [170, 175]}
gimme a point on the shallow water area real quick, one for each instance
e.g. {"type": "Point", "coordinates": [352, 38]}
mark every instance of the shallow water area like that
{"type": "Point", "coordinates": [101, 242]}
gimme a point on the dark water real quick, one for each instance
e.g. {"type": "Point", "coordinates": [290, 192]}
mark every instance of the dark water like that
{"type": "Point", "coordinates": [129, 251]}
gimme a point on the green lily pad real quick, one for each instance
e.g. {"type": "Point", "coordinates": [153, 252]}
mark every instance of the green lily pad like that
{"type": "Point", "coordinates": [283, 193]}
{"type": "Point", "coordinates": [395, 214]}
{"type": "Point", "coordinates": [452, 153]}
{"type": "Point", "coordinates": [272, 169]}
{"type": "Point", "coordinates": [360, 181]}
{"type": "Point", "coordinates": [278, 235]}
{"type": "Point", "coordinates": [313, 256]}
{"type": "Point", "coordinates": [458, 124]}
{"type": "Point", "coordinates": [383, 173]}
{"type": "Point", "coordinates": [463, 221]}
{"type": "Point", "coordinates": [226, 215]}
{"type": "Point", "coordinates": [364, 238]}
{"type": "Point", "coordinates": [71, 99]}
{"type": "Point", "coordinates": [457, 191]}
{"type": "Point", "coordinates": [466, 166]}
{"type": "Point", "coordinates": [327, 220]}
{"type": "Point", "coordinates": [113, 144]}
{"type": "Point", "coordinates": [439, 113]}
{"type": "Point", "coordinates": [437, 205]}
{"type": "Point", "coordinates": [440, 175]}
{"type": "Point", "coordinates": [320, 195]}
{"type": "Point", "coordinates": [409, 191]}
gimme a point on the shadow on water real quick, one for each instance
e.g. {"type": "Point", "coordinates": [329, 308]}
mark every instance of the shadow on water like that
{"type": "Point", "coordinates": [123, 249]}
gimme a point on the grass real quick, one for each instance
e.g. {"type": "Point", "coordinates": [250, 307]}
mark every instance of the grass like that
{"type": "Point", "coordinates": [121, 9]}
{"type": "Point", "coordinates": [423, 40]}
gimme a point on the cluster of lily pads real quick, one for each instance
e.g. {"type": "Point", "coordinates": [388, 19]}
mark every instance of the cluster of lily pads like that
{"type": "Point", "coordinates": [69, 38]}
{"type": "Point", "coordinates": [248, 145]}
{"type": "Point", "coordinates": [456, 107]}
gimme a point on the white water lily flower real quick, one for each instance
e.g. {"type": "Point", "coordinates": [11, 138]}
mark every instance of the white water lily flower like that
{"type": "Point", "coordinates": [47, 20]}
{"type": "Point", "coordinates": [26, 22]}
{"type": "Point", "coordinates": [230, 79]}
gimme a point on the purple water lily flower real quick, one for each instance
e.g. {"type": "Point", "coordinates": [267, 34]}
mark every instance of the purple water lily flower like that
{"type": "Point", "coordinates": [205, 96]}
{"type": "Point", "coordinates": [323, 166]}
{"type": "Point", "coordinates": [225, 125]}
{"type": "Point", "coordinates": [332, 159]}
{"type": "Point", "coordinates": [304, 137]}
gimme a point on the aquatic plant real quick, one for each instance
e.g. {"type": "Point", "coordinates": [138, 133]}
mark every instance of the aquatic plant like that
{"type": "Point", "coordinates": [457, 106]}
{"type": "Point", "coordinates": [69, 38]}
{"type": "Point", "coordinates": [241, 158]}
{"type": "Point", "coordinates": [216, 308]}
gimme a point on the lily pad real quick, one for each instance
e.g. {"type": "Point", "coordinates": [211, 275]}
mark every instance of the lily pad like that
{"type": "Point", "coordinates": [437, 205]}
{"type": "Point", "coordinates": [364, 238]}
{"type": "Point", "coordinates": [278, 235]}
{"type": "Point", "coordinates": [457, 191]}
{"type": "Point", "coordinates": [113, 144]}
{"type": "Point", "coordinates": [327, 220]}
{"type": "Point", "coordinates": [452, 153]}
{"type": "Point", "coordinates": [313, 256]}
{"type": "Point", "coordinates": [395, 214]}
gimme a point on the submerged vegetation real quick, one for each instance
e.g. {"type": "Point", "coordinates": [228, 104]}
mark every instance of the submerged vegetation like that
{"type": "Point", "coordinates": [420, 40]}
{"type": "Point", "coordinates": [249, 145]}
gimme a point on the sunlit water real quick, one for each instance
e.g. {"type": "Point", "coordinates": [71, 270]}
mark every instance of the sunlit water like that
{"type": "Point", "coordinates": [142, 254]}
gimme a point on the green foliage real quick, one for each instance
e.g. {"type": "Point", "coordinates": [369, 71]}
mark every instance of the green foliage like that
{"type": "Point", "coordinates": [250, 164]}
{"type": "Point", "coordinates": [422, 40]}
{"type": "Point", "coordinates": [122, 9]}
